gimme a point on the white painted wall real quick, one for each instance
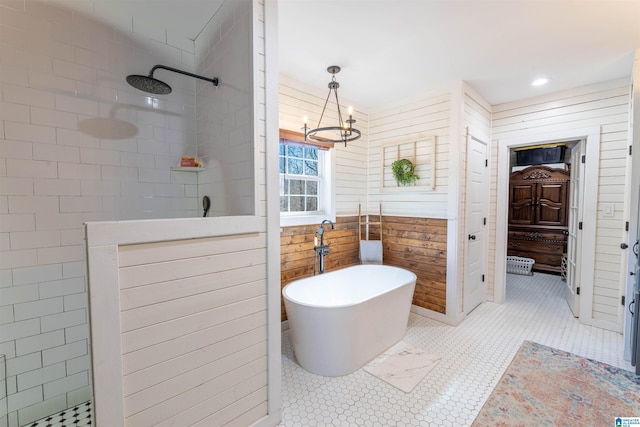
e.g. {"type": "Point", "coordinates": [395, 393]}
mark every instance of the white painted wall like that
{"type": "Point", "coordinates": [605, 105]}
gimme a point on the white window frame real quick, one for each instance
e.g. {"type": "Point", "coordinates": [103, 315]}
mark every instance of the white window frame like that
{"type": "Point", "coordinates": [326, 198]}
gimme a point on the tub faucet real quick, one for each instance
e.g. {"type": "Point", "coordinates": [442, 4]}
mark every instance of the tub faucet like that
{"type": "Point", "coordinates": [321, 250]}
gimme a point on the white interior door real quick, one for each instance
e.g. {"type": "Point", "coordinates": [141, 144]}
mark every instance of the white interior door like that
{"type": "Point", "coordinates": [475, 214]}
{"type": "Point", "coordinates": [576, 188]}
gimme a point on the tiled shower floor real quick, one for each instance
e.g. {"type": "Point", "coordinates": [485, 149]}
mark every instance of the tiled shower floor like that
{"type": "Point", "coordinates": [474, 356]}
{"type": "Point", "coordinates": [77, 416]}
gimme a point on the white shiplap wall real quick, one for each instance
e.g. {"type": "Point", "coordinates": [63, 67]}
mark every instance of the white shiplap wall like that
{"type": "Point", "coordinates": [193, 322]}
{"type": "Point", "coordinates": [350, 161]}
{"type": "Point", "coordinates": [476, 122]}
{"type": "Point", "coordinates": [605, 105]}
{"type": "Point", "coordinates": [428, 117]}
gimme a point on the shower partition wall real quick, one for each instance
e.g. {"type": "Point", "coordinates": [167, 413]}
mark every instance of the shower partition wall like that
{"type": "Point", "coordinates": [185, 325]}
{"type": "Point", "coordinates": [81, 145]}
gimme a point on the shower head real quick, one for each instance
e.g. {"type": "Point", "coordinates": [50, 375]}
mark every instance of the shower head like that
{"type": "Point", "coordinates": [158, 87]}
{"type": "Point", "coordinates": [149, 84]}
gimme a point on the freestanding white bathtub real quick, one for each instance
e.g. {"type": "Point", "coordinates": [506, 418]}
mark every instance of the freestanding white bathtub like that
{"type": "Point", "coordinates": [343, 319]}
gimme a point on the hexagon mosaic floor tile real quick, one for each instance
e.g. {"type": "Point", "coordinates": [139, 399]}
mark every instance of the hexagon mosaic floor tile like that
{"type": "Point", "coordinates": [474, 356]}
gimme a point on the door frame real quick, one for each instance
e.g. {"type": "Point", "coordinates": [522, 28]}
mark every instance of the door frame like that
{"type": "Point", "coordinates": [467, 226]}
{"type": "Point", "coordinates": [591, 136]}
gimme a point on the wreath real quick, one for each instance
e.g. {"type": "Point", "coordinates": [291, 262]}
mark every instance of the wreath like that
{"type": "Point", "coordinates": [404, 171]}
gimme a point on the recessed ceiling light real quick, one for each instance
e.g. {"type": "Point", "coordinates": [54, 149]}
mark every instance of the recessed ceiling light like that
{"type": "Point", "coordinates": [539, 81]}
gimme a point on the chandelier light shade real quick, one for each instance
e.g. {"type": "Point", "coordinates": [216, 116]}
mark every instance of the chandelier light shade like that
{"type": "Point", "coordinates": [344, 128]}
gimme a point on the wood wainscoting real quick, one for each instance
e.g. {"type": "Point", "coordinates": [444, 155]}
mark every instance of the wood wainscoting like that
{"type": "Point", "coordinates": [417, 244]}
{"type": "Point", "coordinates": [297, 254]}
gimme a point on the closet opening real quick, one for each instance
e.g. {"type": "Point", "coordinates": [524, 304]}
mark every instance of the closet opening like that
{"type": "Point", "coordinates": [544, 213]}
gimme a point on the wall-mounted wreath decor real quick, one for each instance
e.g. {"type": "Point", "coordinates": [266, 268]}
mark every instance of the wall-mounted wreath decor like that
{"type": "Point", "coordinates": [404, 171]}
{"type": "Point", "coordinates": [408, 164]}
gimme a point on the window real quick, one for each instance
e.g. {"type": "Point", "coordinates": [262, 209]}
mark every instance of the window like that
{"type": "Point", "coordinates": [300, 178]}
{"type": "Point", "coordinates": [306, 184]}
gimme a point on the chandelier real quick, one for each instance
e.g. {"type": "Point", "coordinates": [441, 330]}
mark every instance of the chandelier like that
{"type": "Point", "coordinates": [345, 129]}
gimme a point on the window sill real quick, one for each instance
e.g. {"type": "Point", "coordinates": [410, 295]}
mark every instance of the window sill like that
{"type": "Point", "coordinates": [293, 220]}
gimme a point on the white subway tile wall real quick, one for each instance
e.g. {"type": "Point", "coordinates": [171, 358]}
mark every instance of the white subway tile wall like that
{"type": "Point", "coordinates": [223, 117]}
{"type": "Point", "coordinates": [63, 161]}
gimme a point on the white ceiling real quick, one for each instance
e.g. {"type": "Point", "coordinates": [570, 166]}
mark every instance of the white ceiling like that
{"type": "Point", "coordinates": [395, 50]}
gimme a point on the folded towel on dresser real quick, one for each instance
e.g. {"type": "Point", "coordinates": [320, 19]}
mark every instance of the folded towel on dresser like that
{"type": "Point", "coordinates": [371, 251]}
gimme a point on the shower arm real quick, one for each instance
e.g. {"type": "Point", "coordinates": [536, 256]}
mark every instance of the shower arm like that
{"type": "Point", "coordinates": [186, 73]}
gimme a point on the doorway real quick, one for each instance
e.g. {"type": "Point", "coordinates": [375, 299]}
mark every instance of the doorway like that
{"type": "Point", "coordinates": [591, 136]}
{"type": "Point", "coordinates": [545, 195]}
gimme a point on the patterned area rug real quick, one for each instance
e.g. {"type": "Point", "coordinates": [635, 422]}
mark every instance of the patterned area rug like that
{"type": "Point", "coordinates": [544, 386]}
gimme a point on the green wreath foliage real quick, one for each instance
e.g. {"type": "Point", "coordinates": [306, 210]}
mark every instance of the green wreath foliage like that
{"type": "Point", "coordinates": [404, 171]}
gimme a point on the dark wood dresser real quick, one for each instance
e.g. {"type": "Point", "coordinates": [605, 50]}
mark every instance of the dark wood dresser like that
{"type": "Point", "coordinates": [538, 216]}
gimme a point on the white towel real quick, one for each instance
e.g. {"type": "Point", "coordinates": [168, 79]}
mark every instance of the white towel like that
{"type": "Point", "coordinates": [371, 251]}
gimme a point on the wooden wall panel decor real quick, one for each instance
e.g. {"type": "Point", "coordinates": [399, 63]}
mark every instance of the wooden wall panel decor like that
{"type": "Point", "coordinates": [417, 244]}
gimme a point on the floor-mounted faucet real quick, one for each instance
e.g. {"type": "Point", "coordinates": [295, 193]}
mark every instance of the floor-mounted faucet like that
{"type": "Point", "coordinates": [321, 250]}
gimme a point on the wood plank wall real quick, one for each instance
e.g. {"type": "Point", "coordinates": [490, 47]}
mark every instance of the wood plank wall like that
{"type": "Point", "coordinates": [417, 244]}
{"type": "Point", "coordinates": [297, 254]}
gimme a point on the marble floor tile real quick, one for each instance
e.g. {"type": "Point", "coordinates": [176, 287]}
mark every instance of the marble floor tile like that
{"type": "Point", "coordinates": [403, 366]}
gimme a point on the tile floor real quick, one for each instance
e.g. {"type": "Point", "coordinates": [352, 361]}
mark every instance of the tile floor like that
{"type": "Point", "coordinates": [474, 356]}
{"type": "Point", "coordinates": [77, 416]}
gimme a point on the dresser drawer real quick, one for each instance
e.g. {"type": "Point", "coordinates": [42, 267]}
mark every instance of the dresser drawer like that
{"type": "Point", "coordinates": [557, 236]}
{"type": "Point", "coordinates": [545, 246]}
{"type": "Point", "coordinates": [555, 248]}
